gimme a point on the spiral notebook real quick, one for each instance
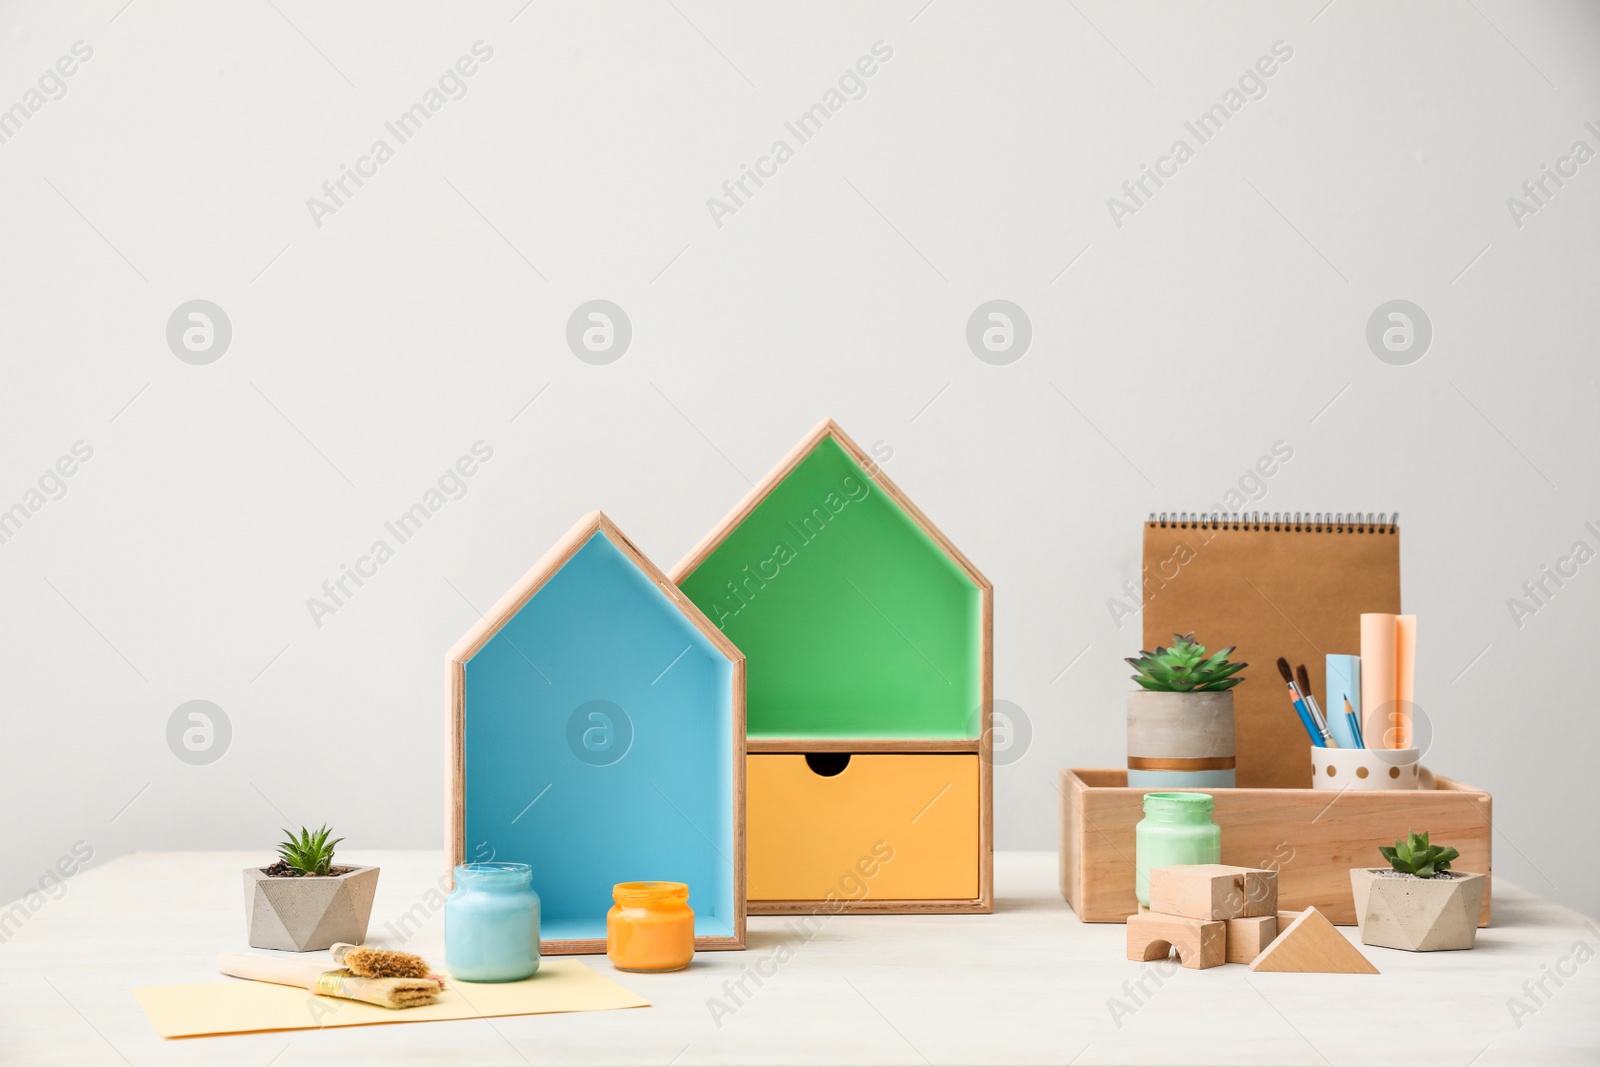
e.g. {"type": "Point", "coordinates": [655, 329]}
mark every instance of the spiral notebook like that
{"type": "Point", "coordinates": [1291, 585]}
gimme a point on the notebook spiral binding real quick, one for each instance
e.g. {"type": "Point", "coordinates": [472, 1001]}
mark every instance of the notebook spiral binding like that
{"type": "Point", "coordinates": [1298, 521]}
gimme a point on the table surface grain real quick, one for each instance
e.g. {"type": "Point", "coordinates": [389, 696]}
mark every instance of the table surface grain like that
{"type": "Point", "coordinates": [1028, 984]}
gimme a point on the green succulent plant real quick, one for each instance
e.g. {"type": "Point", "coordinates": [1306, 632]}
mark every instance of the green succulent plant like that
{"type": "Point", "coordinates": [310, 853]}
{"type": "Point", "coordinates": [1413, 855]}
{"type": "Point", "coordinates": [1185, 668]}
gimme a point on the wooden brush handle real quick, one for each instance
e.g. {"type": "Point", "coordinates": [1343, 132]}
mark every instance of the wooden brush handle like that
{"type": "Point", "coordinates": [275, 969]}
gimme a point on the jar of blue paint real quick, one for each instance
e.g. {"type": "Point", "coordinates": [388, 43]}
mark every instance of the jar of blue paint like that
{"type": "Point", "coordinates": [491, 923]}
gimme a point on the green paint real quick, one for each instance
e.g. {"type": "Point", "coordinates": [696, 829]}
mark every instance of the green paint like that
{"type": "Point", "coordinates": [853, 622]}
{"type": "Point", "coordinates": [1176, 831]}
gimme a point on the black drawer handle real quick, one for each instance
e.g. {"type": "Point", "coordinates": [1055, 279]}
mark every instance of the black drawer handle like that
{"type": "Point", "coordinates": [828, 764]}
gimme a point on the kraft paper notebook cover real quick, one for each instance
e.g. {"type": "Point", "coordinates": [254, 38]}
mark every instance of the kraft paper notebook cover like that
{"type": "Point", "coordinates": [1280, 585]}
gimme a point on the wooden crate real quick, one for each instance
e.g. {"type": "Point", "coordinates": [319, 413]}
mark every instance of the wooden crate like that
{"type": "Point", "coordinates": [1311, 837]}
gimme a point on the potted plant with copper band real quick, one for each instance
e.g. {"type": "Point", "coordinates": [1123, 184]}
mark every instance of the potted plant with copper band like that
{"type": "Point", "coordinates": [1180, 719]}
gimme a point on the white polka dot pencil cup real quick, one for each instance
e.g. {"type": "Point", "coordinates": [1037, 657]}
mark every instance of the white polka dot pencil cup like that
{"type": "Point", "coordinates": [1370, 770]}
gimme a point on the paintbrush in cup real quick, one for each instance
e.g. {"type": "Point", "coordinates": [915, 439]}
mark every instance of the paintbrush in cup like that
{"type": "Point", "coordinates": [1317, 716]}
{"type": "Point", "coordinates": [1299, 703]}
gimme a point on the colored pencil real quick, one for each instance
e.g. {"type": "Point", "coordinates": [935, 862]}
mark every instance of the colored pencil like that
{"type": "Point", "coordinates": [1355, 724]}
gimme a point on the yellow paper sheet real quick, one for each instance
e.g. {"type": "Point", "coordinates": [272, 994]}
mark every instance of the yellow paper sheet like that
{"type": "Point", "coordinates": [236, 1006]}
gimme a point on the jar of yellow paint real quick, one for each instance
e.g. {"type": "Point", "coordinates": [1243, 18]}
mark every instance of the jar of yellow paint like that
{"type": "Point", "coordinates": [650, 927]}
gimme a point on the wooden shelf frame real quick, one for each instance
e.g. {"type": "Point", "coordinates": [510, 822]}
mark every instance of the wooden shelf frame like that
{"type": "Point", "coordinates": [506, 608]}
{"type": "Point", "coordinates": [984, 902]}
{"type": "Point", "coordinates": [807, 745]}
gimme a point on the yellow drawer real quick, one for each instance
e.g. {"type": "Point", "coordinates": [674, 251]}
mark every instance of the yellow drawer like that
{"type": "Point", "coordinates": [885, 827]}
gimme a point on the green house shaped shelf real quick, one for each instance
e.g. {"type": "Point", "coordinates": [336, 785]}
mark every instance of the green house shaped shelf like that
{"type": "Point", "coordinates": [865, 631]}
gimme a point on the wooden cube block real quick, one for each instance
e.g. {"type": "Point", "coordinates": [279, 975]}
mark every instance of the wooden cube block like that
{"type": "Point", "coordinates": [1200, 943]}
{"type": "Point", "coordinates": [1213, 891]}
{"type": "Point", "coordinates": [1247, 937]}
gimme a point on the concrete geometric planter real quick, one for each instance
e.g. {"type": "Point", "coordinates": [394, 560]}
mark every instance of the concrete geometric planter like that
{"type": "Point", "coordinates": [1417, 914]}
{"type": "Point", "coordinates": [310, 912]}
{"type": "Point", "coordinates": [1180, 740]}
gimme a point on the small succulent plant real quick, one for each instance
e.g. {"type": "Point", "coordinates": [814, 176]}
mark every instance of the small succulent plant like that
{"type": "Point", "coordinates": [1413, 855]}
{"type": "Point", "coordinates": [309, 853]}
{"type": "Point", "coordinates": [1185, 668]}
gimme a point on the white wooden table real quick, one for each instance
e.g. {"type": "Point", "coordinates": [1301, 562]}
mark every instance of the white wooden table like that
{"type": "Point", "coordinates": [1029, 984]}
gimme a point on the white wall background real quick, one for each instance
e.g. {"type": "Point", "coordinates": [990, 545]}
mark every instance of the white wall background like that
{"type": "Point", "coordinates": [369, 353]}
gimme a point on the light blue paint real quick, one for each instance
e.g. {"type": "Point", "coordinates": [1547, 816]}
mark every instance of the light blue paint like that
{"type": "Point", "coordinates": [1180, 779]}
{"type": "Point", "coordinates": [491, 924]}
{"type": "Point", "coordinates": [601, 630]}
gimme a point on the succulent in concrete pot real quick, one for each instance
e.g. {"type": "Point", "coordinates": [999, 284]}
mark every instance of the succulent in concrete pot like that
{"type": "Point", "coordinates": [304, 901]}
{"type": "Point", "coordinates": [1180, 719]}
{"type": "Point", "coordinates": [1418, 903]}
{"type": "Point", "coordinates": [1186, 668]}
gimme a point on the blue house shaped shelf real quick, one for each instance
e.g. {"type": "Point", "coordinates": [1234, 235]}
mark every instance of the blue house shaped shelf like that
{"type": "Point", "coordinates": [598, 734]}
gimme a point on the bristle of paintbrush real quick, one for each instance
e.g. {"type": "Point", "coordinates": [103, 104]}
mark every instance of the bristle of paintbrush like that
{"type": "Point", "coordinates": [379, 963]}
{"type": "Point", "coordinates": [1283, 669]}
{"type": "Point", "coordinates": [1303, 677]}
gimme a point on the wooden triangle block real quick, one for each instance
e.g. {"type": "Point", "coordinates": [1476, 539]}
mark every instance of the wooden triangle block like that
{"type": "Point", "coordinates": [1310, 945]}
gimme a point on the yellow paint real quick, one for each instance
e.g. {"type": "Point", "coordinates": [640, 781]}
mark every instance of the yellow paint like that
{"type": "Point", "coordinates": [888, 827]}
{"type": "Point", "coordinates": [651, 927]}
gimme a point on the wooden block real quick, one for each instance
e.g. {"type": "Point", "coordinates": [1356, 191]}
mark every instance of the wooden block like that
{"type": "Point", "coordinates": [1213, 891]}
{"type": "Point", "coordinates": [1310, 945]}
{"type": "Point", "coordinates": [1200, 943]}
{"type": "Point", "coordinates": [1248, 936]}
{"type": "Point", "coordinates": [1297, 832]}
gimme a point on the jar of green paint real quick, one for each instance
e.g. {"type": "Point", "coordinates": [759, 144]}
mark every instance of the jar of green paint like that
{"type": "Point", "coordinates": [1176, 828]}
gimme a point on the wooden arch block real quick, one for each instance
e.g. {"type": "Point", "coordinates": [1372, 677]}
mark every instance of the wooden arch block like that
{"type": "Point", "coordinates": [1200, 943]}
{"type": "Point", "coordinates": [1310, 945]}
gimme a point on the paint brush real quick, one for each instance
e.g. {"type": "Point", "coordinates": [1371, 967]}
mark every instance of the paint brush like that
{"type": "Point", "coordinates": [1310, 698]}
{"type": "Point", "coordinates": [319, 978]}
{"type": "Point", "coordinates": [1299, 704]}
